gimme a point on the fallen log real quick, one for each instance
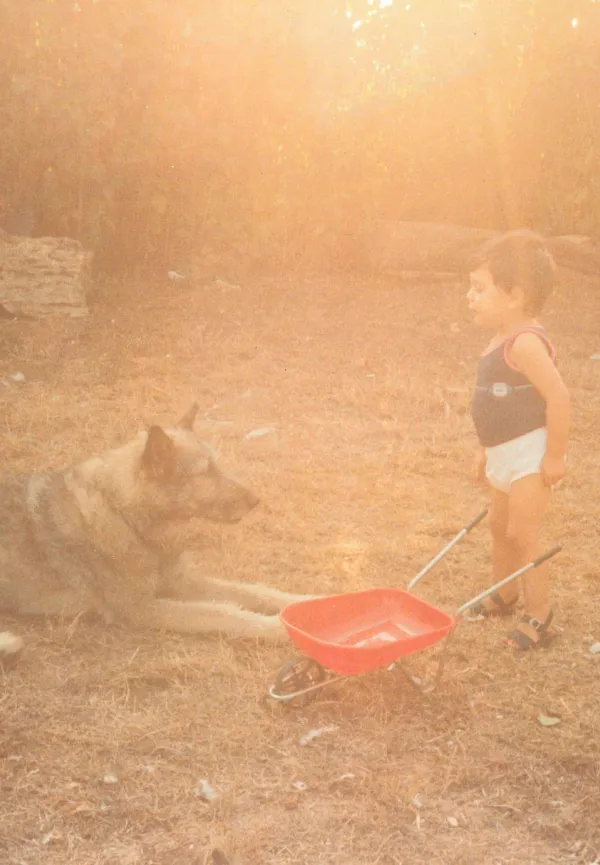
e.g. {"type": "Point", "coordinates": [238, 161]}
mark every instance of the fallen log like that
{"type": "Point", "coordinates": [397, 247]}
{"type": "Point", "coordinates": [43, 276]}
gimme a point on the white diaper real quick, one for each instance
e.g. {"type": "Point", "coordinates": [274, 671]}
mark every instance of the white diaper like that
{"type": "Point", "coordinates": [510, 461]}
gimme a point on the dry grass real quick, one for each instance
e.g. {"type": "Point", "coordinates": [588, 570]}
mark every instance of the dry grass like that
{"type": "Point", "coordinates": [105, 735]}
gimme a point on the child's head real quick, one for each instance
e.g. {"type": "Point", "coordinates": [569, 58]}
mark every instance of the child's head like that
{"type": "Point", "coordinates": [519, 259]}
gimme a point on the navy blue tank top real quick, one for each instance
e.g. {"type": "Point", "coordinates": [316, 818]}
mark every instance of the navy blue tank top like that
{"type": "Point", "coordinates": [505, 404]}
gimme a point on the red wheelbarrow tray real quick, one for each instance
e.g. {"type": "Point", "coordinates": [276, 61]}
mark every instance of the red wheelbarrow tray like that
{"type": "Point", "coordinates": [360, 631]}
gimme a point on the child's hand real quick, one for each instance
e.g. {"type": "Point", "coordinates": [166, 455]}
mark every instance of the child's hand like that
{"type": "Point", "coordinates": [479, 464]}
{"type": "Point", "coordinates": [553, 469]}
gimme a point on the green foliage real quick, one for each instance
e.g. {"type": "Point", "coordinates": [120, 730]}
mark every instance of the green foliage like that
{"type": "Point", "coordinates": [248, 132]}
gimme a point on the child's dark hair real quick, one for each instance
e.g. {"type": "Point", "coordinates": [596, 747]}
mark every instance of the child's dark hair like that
{"type": "Point", "coordinates": [520, 258]}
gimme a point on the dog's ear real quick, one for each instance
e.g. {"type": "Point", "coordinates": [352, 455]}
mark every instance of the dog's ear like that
{"type": "Point", "coordinates": [187, 421]}
{"type": "Point", "coordinates": [159, 454]}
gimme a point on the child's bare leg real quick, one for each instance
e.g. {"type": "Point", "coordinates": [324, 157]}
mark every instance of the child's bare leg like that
{"type": "Point", "coordinates": [503, 547]}
{"type": "Point", "coordinates": [502, 601]}
{"type": "Point", "coordinates": [528, 500]}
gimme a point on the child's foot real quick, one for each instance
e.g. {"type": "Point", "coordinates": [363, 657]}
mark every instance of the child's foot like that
{"type": "Point", "coordinates": [494, 605]}
{"type": "Point", "coordinates": [530, 633]}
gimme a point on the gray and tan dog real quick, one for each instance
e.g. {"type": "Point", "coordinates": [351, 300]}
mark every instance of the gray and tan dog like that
{"type": "Point", "coordinates": [85, 540]}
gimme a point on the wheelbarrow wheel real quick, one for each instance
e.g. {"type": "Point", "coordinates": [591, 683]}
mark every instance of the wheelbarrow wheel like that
{"type": "Point", "coordinates": [297, 675]}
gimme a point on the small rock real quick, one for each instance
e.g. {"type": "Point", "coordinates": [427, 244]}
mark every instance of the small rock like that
{"type": "Point", "coordinates": [172, 274]}
{"type": "Point", "coordinates": [452, 821]}
{"type": "Point", "coordinates": [595, 649]}
{"type": "Point", "coordinates": [49, 837]}
{"type": "Point", "coordinates": [259, 433]}
{"type": "Point", "coordinates": [110, 779]}
{"type": "Point", "coordinates": [228, 286]}
{"type": "Point", "coordinates": [313, 734]}
{"type": "Point", "coordinates": [203, 790]}
{"type": "Point", "coordinates": [595, 357]}
{"type": "Point", "coordinates": [10, 648]}
{"type": "Point", "coordinates": [17, 376]}
{"type": "Point", "coordinates": [417, 801]}
{"type": "Point", "coordinates": [548, 720]}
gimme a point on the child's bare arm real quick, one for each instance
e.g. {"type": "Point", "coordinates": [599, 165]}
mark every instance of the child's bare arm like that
{"type": "Point", "coordinates": [530, 356]}
{"type": "Point", "coordinates": [479, 464]}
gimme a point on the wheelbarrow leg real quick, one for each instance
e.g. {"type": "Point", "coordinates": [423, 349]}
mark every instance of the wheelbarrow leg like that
{"type": "Point", "coordinates": [415, 681]}
{"type": "Point", "coordinates": [442, 660]}
{"type": "Point", "coordinates": [401, 667]}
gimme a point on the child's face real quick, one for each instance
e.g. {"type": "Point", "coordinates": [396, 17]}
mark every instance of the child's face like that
{"type": "Point", "coordinates": [492, 307]}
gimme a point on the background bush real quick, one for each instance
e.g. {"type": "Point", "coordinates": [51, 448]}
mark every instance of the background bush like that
{"type": "Point", "coordinates": [254, 131]}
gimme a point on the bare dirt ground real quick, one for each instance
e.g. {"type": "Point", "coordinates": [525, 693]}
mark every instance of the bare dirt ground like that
{"type": "Point", "coordinates": [105, 735]}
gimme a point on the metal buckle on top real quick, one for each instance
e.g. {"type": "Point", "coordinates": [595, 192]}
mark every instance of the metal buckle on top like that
{"type": "Point", "coordinates": [535, 623]}
{"type": "Point", "coordinates": [500, 389]}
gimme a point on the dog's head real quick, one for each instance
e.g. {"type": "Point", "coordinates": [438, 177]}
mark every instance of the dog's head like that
{"type": "Point", "coordinates": [181, 478]}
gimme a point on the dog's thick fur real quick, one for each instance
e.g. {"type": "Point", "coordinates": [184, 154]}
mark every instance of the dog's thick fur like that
{"type": "Point", "coordinates": [85, 540]}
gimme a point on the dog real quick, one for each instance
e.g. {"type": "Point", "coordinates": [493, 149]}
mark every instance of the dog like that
{"type": "Point", "coordinates": [85, 540]}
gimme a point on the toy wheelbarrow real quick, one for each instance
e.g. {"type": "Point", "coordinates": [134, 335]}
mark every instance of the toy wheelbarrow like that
{"type": "Point", "coordinates": [345, 635]}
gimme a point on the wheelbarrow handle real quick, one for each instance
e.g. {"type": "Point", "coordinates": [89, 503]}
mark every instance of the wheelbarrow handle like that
{"type": "Point", "coordinates": [476, 521]}
{"type": "Point", "coordinates": [455, 540]}
{"type": "Point", "coordinates": [547, 555]}
{"type": "Point", "coordinates": [534, 564]}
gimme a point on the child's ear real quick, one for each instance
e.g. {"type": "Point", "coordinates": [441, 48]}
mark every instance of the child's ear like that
{"type": "Point", "coordinates": [517, 297]}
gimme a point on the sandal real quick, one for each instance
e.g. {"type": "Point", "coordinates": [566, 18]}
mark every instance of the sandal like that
{"type": "Point", "coordinates": [497, 606]}
{"type": "Point", "coordinates": [523, 641]}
